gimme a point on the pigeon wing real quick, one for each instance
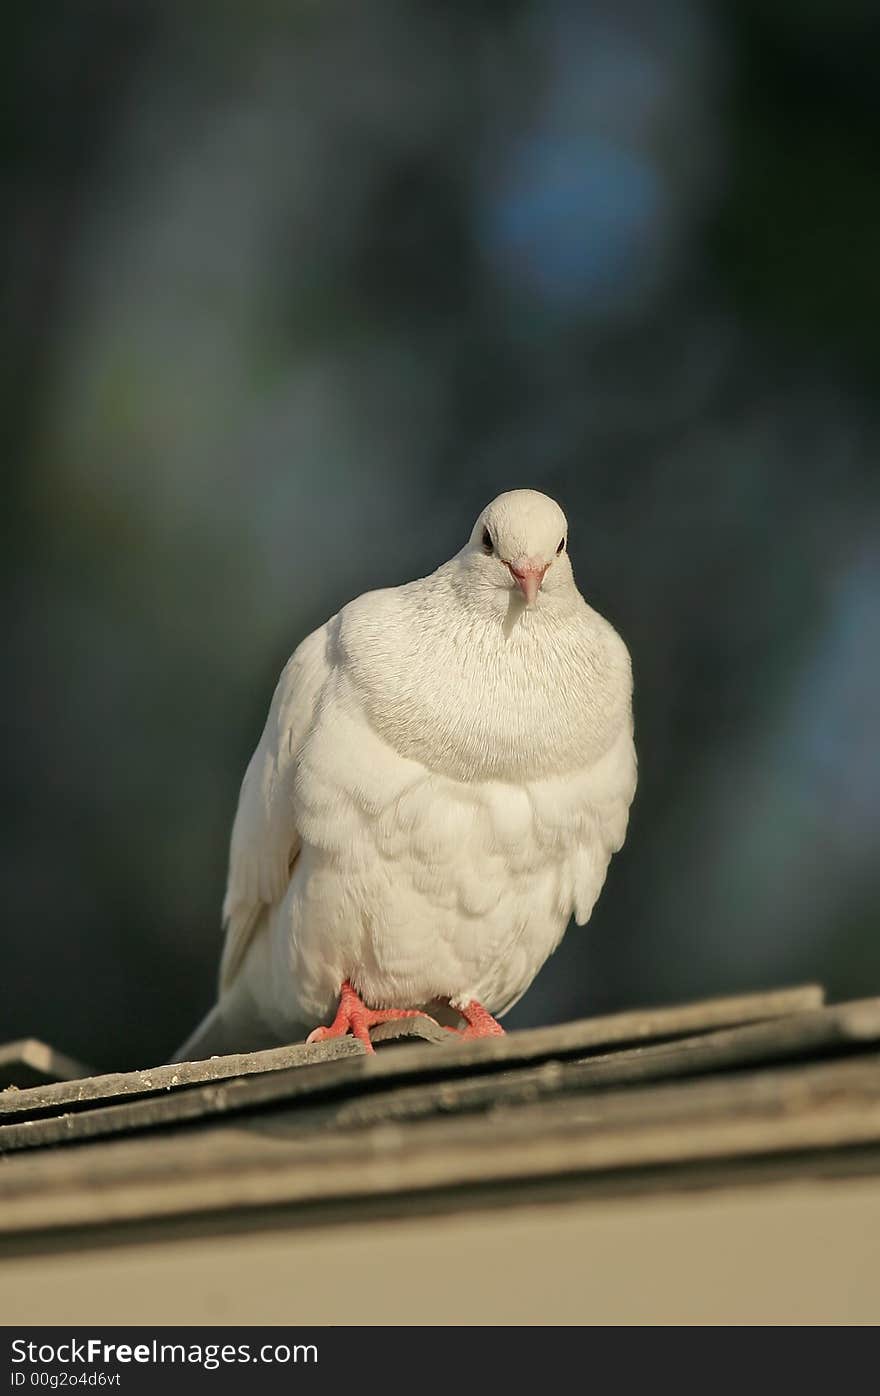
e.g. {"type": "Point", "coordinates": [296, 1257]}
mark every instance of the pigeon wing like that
{"type": "Point", "coordinates": [265, 841]}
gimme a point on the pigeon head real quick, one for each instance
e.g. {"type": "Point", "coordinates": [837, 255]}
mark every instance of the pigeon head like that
{"type": "Point", "coordinates": [519, 544]}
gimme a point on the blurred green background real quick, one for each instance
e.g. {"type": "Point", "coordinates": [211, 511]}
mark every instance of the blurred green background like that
{"type": "Point", "coordinates": [289, 293]}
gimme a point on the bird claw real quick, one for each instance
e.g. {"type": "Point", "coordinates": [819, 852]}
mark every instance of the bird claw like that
{"type": "Point", "coordinates": [353, 1016]}
{"type": "Point", "coordinates": [479, 1020]}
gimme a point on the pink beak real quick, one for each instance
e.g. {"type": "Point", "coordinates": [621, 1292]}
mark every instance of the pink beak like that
{"type": "Point", "coordinates": [528, 575]}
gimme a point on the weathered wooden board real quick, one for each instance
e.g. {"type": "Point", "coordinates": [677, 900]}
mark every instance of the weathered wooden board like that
{"type": "Point", "coordinates": [824, 1106]}
{"type": "Point", "coordinates": [29, 1063]}
{"type": "Point", "coordinates": [345, 1102]}
{"type": "Point", "coordinates": [153, 1080]}
{"type": "Point", "coordinates": [849, 1027]}
{"type": "Point", "coordinates": [535, 1044]}
{"type": "Point", "coordinates": [251, 1091]}
{"type": "Point", "coordinates": [409, 1031]}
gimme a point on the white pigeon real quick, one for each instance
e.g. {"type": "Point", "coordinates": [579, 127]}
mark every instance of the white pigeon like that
{"type": "Point", "coordinates": [445, 771]}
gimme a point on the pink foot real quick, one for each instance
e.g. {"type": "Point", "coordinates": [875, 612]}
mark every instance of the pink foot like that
{"type": "Point", "coordinates": [480, 1022]}
{"type": "Point", "coordinates": [353, 1016]}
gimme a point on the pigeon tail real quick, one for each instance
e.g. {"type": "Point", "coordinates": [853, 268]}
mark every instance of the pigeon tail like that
{"type": "Point", "coordinates": [219, 1035]}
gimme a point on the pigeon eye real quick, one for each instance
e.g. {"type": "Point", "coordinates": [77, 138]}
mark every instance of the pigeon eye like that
{"type": "Point", "coordinates": [488, 545]}
{"type": "Point", "coordinates": [561, 546]}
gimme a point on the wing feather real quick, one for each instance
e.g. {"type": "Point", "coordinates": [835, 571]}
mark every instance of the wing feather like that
{"type": "Point", "coordinates": [265, 841]}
